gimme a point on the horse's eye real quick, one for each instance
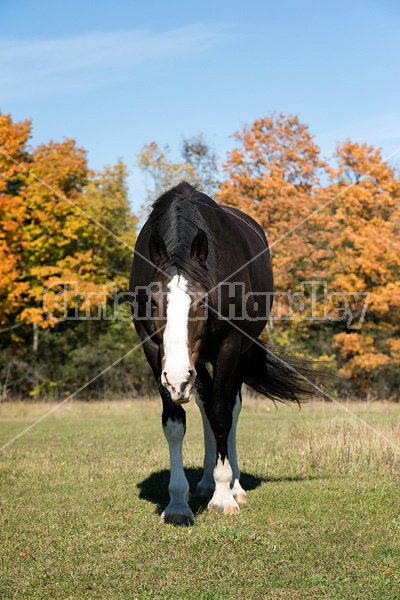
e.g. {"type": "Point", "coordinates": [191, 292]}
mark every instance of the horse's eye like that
{"type": "Point", "coordinates": [154, 304]}
{"type": "Point", "coordinates": [202, 303]}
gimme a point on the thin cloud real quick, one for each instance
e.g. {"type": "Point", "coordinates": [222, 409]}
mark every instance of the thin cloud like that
{"type": "Point", "coordinates": [30, 68]}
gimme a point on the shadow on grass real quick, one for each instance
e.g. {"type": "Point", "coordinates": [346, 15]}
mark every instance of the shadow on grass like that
{"type": "Point", "coordinates": [155, 487]}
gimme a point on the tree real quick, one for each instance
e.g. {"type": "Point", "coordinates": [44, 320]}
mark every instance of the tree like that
{"type": "Point", "coordinates": [61, 223]}
{"type": "Point", "coordinates": [345, 233]}
{"type": "Point", "coordinates": [197, 152]}
{"type": "Point", "coordinates": [14, 159]}
{"type": "Point", "coordinates": [366, 258]}
{"type": "Point", "coordinates": [52, 234]}
{"type": "Point", "coordinates": [199, 167]}
{"type": "Point", "coordinates": [273, 175]}
{"type": "Point", "coordinates": [106, 199]}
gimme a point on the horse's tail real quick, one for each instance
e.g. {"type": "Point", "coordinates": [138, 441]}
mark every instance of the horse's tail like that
{"type": "Point", "coordinates": [282, 377]}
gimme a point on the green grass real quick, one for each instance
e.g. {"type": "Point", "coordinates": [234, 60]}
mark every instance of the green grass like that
{"type": "Point", "coordinates": [81, 495]}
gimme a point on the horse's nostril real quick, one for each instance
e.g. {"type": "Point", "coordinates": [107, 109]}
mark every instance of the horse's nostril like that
{"type": "Point", "coordinates": [191, 372]}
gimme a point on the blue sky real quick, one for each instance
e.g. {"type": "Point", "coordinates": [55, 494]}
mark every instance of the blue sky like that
{"type": "Point", "coordinates": [117, 75]}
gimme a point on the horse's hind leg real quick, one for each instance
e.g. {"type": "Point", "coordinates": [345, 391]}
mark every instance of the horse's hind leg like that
{"type": "Point", "coordinates": [228, 377]}
{"type": "Point", "coordinates": [238, 492]}
{"type": "Point", "coordinates": [205, 487]}
{"type": "Point", "coordinates": [228, 491]}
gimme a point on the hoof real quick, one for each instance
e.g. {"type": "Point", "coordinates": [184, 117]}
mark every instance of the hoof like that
{"type": "Point", "coordinates": [177, 519]}
{"type": "Point", "coordinates": [240, 498]}
{"type": "Point", "coordinates": [177, 515]}
{"type": "Point", "coordinates": [204, 492]}
{"type": "Point", "coordinates": [224, 509]}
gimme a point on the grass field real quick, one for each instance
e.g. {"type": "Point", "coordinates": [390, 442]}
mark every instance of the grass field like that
{"type": "Point", "coordinates": [81, 495]}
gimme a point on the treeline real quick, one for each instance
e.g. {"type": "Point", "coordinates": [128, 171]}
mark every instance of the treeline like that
{"type": "Point", "coordinates": [333, 228]}
{"type": "Point", "coordinates": [61, 221]}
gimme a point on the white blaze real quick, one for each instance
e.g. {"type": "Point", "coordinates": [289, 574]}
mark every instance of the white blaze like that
{"type": "Point", "coordinates": [176, 351]}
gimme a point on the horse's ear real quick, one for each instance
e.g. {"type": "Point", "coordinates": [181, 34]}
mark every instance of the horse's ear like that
{"type": "Point", "coordinates": [157, 249]}
{"type": "Point", "coordinates": [199, 249]}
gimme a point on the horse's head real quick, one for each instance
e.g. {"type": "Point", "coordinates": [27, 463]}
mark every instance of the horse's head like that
{"type": "Point", "coordinates": [179, 310]}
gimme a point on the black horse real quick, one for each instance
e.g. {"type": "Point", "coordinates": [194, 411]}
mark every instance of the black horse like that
{"type": "Point", "coordinates": [202, 285]}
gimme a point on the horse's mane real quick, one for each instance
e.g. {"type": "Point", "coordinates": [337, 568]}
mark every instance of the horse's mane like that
{"type": "Point", "coordinates": [176, 218]}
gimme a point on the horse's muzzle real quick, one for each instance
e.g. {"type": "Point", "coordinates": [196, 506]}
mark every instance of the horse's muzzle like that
{"type": "Point", "coordinates": [180, 396]}
{"type": "Point", "coordinates": [183, 400]}
{"type": "Point", "coordinates": [180, 392]}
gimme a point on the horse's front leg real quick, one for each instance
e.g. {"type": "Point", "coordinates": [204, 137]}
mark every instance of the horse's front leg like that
{"type": "Point", "coordinates": [221, 418]}
{"type": "Point", "coordinates": [174, 426]}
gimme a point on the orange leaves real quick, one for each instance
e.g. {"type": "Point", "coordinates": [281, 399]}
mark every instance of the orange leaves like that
{"type": "Point", "coordinates": [363, 357]}
{"type": "Point", "coordinates": [394, 349]}
{"type": "Point", "coordinates": [360, 161]}
{"type": "Point", "coordinates": [272, 176]}
{"type": "Point", "coordinates": [352, 242]}
{"type": "Point", "coordinates": [50, 242]}
{"type": "Point", "coordinates": [366, 257]}
{"type": "Point", "coordinates": [351, 344]}
{"type": "Point", "coordinates": [279, 150]}
{"type": "Point", "coordinates": [367, 246]}
{"type": "Point", "coordinates": [44, 236]}
{"type": "Point", "coordinates": [13, 139]}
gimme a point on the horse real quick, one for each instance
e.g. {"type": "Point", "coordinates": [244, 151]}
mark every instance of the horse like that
{"type": "Point", "coordinates": [202, 285]}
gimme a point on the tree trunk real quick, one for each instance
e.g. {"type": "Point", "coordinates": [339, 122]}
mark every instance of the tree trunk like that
{"type": "Point", "coordinates": [35, 337]}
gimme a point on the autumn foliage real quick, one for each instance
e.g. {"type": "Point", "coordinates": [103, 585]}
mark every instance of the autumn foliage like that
{"type": "Point", "coordinates": [332, 224]}
{"type": "Point", "coordinates": [337, 224]}
{"type": "Point", "coordinates": [60, 222]}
